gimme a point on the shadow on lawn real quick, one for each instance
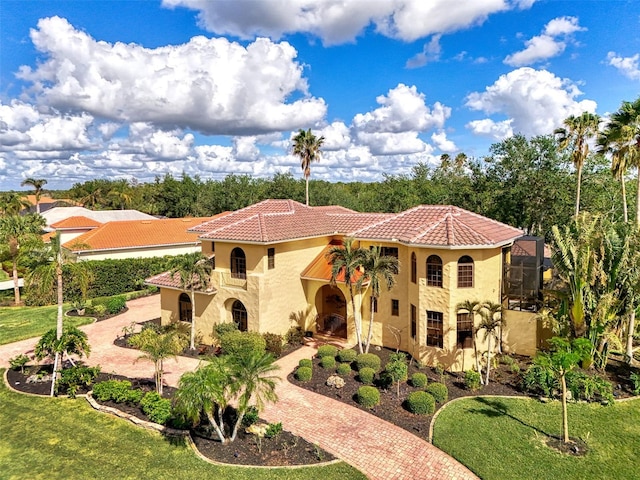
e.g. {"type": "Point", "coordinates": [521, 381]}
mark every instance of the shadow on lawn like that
{"type": "Point", "coordinates": [496, 408]}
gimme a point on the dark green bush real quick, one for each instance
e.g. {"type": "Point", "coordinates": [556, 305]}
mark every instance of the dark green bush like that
{"type": "Point", "coordinates": [328, 362]}
{"type": "Point", "coordinates": [75, 377]}
{"type": "Point", "coordinates": [119, 391]}
{"type": "Point", "coordinates": [539, 380]}
{"type": "Point", "coordinates": [251, 416]}
{"type": "Point", "coordinates": [273, 343]}
{"type": "Point", "coordinates": [155, 407]}
{"type": "Point", "coordinates": [420, 403]}
{"type": "Point", "coordinates": [343, 369]}
{"type": "Point", "coordinates": [439, 392]}
{"type": "Point", "coordinates": [366, 375]}
{"type": "Point", "coordinates": [635, 379]}
{"type": "Point", "coordinates": [116, 304]}
{"type": "Point", "coordinates": [239, 343]}
{"type": "Point", "coordinates": [295, 336]}
{"type": "Point", "coordinates": [368, 360]}
{"type": "Point", "coordinates": [273, 430]}
{"type": "Point", "coordinates": [418, 380]}
{"type": "Point", "coordinates": [590, 388]}
{"type": "Point", "coordinates": [327, 351]}
{"type": "Point", "coordinates": [304, 374]}
{"type": "Point", "coordinates": [305, 362]}
{"type": "Point", "coordinates": [221, 329]}
{"type": "Point", "coordinates": [472, 380]}
{"type": "Point", "coordinates": [347, 355]}
{"type": "Point", "coordinates": [18, 362]}
{"type": "Point", "coordinates": [368, 396]}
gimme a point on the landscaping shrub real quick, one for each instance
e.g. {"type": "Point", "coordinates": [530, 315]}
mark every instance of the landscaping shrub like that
{"type": "Point", "coordinates": [347, 355]}
{"type": "Point", "coordinates": [18, 362]}
{"type": "Point", "coordinates": [273, 430]}
{"type": "Point", "coordinates": [295, 336]}
{"type": "Point", "coordinates": [421, 403]}
{"type": "Point", "coordinates": [419, 380]}
{"type": "Point", "coordinates": [635, 379]}
{"type": "Point", "coordinates": [155, 407]}
{"type": "Point", "coordinates": [251, 416]}
{"type": "Point", "coordinates": [222, 328]}
{"type": "Point", "coordinates": [74, 377]}
{"type": "Point", "coordinates": [328, 362]}
{"type": "Point", "coordinates": [239, 343]}
{"type": "Point", "coordinates": [116, 304]}
{"type": "Point", "coordinates": [368, 396]}
{"type": "Point", "coordinates": [539, 380]}
{"type": "Point", "coordinates": [273, 343]}
{"type": "Point", "coordinates": [589, 387]}
{"type": "Point", "coordinates": [343, 369]}
{"type": "Point", "coordinates": [119, 391]}
{"type": "Point", "coordinates": [305, 362]}
{"type": "Point", "coordinates": [327, 351]}
{"type": "Point", "coordinates": [439, 391]}
{"type": "Point", "coordinates": [366, 375]}
{"type": "Point", "coordinates": [368, 360]}
{"type": "Point", "coordinates": [304, 374]}
{"type": "Point", "coordinates": [472, 380]}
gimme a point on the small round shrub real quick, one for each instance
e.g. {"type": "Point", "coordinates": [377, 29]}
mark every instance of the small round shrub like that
{"type": "Point", "coordinates": [251, 416]}
{"type": "Point", "coordinates": [419, 380]}
{"type": "Point", "coordinates": [327, 351]}
{"type": "Point", "coordinates": [347, 355]}
{"type": "Point", "coordinates": [304, 374]}
{"type": "Point", "coordinates": [368, 396]}
{"type": "Point", "coordinates": [343, 369]}
{"type": "Point", "coordinates": [294, 336]}
{"type": "Point", "coordinates": [305, 362]}
{"type": "Point", "coordinates": [472, 380]}
{"type": "Point", "coordinates": [421, 403]}
{"type": "Point", "coordinates": [366, 374]}
{"type": "Point", "coordinates": [328, 362]}
{"type": "Point", "coordinates": [368, 360]}
{"type": "Point", "coordinates": [439, 391]}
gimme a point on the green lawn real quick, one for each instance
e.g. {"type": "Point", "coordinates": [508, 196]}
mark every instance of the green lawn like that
{"type": "Point", "coordinates": [505, 439]}
{"type": "Point", "coordinates": [46, 438]}
{"type": "Point", "coordinates": [19, 323]}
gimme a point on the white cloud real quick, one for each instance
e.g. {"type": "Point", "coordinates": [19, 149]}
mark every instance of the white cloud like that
{"type": "Point", "coordinates": [430, 53]}
{"type": "Point", "coordinates": [535, 102]}
{"type": "Point", "coordinates": [628, 66]}
{"type": "Point", "coordinates": [547, 45]}
{"type": "Point", "coordinates": [336, 136]}
{"type": "Point", "coordinates": [443, 143]}
{"type": "Point", "coordinates": [336, 21]}
{"type": "Point", "coordinates": [210, 85]}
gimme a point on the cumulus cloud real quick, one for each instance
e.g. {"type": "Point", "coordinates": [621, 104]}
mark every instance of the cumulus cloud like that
{"type": "Point", "coordinates": [547, 45]}
{"type": "Point", "coordinates": [441, 141]}
{"type": "Point", "coordinates": [430, 53]}
{"type": "Point", "coordinates": [628, 66]}
{"type": "Point", "coordinates": [336, 21]}
{"type": "Point", "coordinates": [209, 85]}
{"type": "Point", "coordinates": [535, 102]}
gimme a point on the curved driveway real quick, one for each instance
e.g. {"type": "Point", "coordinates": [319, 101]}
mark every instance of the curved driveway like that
{"type": "Point", "coordinates": [377, 448]}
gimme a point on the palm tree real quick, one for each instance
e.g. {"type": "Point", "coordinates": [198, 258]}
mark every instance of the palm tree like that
{"type": "Point", "coordinates": [575, 136]}
{"type": "Point", "coordinates": [18, 235]}
{"type": "Point", "coordinates": [12, 203]}
{"type": "Point", "coordinates": [346, 260]}
{"type": "Point", "coordinates": [491, 321]}
{"type": "Point", "coordinates": [619, 165]}
{"type": "Point", "coordinates": [47, 274]}
{"type": "Point", "coordinates": [194, 272]}
{"type": "Point", "coordinates": [622, 134]}
{"type": "Point", "coordinates": [472, 307]}
{"type": "Point", "coordinates": [307, 146]}
{"type": "Point", "coordinates": [37, 184]}
{"type": "Point", "coordinates": [378, 269]}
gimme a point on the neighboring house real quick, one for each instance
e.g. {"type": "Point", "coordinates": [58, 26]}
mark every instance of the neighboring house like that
{"type": "Point", "coordinates": [73, 227]}
{"type": "Point", "coordinates": [270, 263]}
{"type": "Point", "coordinates": [47, 203]}
{"type": "Point", "coordinates": [57, 214]}
{"type": "Point", "coordinates": [133, 238]}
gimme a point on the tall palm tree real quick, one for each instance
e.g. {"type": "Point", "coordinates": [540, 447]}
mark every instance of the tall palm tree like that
{"type": "Point", "coordinates": [12, 203]}
{"type": "Point", "coordinates": [307, 146]}
{"type": "Point", "coordinates": [491, 322]}
{"type": "Point", "coordinates": [37, 184]}
{"type": "Point", "coordinates": [346, 261]}
{"type": "Point", "coordinates": [18, 235]}
{"type": "Point", "coordinates": [472, 307]}
{"type": "Point", "coordinates": [575, 136]}
{"type": "Point", "coordinates": [194, 273]}
{"type": "Point", "coordinates": [619, 165]}
{"type": "Point", "coordinates": [622, 136]}
{"type": "Point", "coordinates": [378, 269]}
{"type": "Point", "coordinates": [47, 273]}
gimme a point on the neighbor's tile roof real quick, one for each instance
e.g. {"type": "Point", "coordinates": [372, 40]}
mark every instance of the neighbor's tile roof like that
{"type": "Point", "coordinates": [167, 280]}
{"type": "Point", "coordinates": [78, 221]}
{"type": "Point", "coordinates": [138, 233]}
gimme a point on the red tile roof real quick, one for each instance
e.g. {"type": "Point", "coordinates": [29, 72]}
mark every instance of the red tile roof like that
{"type": "Point", "coordinates": [166, 280]}
{"type": "Point", "coordinates": [76, 222]}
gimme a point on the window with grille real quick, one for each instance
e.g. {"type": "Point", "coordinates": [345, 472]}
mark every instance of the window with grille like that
{"type": "Point", "coordinates": [414, 321]}
{"type": "Point", "coordinates": [395, 307]}
{"type": "Point", "coordinates": [464, 326]}
{"type": "Point", "coordinates": [414, 268]}
{"type": "Point", "coordinates": [389, 251]}
{"type": "Point", "coordinates": [465, 272]}
{"type": "Point", "coordinates": [271, 258]}
{"type": "Point", "coordinates": [238, 263]}
{"type": "Point", "coordinates": [434, 271]}
{"type": "Point", "coordinates": [434, 329]}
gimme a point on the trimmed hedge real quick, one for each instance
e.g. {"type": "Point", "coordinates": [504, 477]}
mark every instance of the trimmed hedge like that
{"type": "Point", "coordinates": [421, 403]}
{"type": "Point", "coordinates": [439, 391]}
{"type": "Point", "coordinates": [368, 396]}
{"type": "Point", "coordinates": [328, 362]}
{"type": "Point", "coordinates": [419, 380]}
{"type": "Point", "coordinates": [304, 374]}
{"type": "Point", "coordinates": [327, 351]}
{"type": "Point", "coordinates": [155, 407]}
{"type": "Point", "coordinates": [366, 375]}
{"type": "Point", "coordinates": [241, 343]}
{"type": "Point", "coordinates": [347, 355]}
{"type": "Point", "coordinates": [368, 360]}
{"type": "Point", "coordinates": [119, 391]}
{"type": "Point", "coordinates": [305, 362]}
{"type": "Point", "coordinates": [343, 369]}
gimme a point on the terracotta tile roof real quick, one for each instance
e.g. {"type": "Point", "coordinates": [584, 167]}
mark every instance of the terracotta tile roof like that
{"type": "Point", "coordinates": [76, 222]}
{"type": "Point", "coordinates": [44, 200]}
{"type": "Point", "coordinates": [348, 223]}
{"type": "Point", "coordinates": [320, 268]}
{"type": "Point", "coordinates": [46, 238]}
{"type": "Point", "coordinates": [138, 233]}
{"type": "Point", "coordinates": [167, 280]}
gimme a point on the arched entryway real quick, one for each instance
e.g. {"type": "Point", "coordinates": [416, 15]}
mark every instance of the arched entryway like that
{"type": "Point", "coordinates": [185, 308]}
{"type": "Point", "coordinates": [332, 311]}
{"type": "Point", "coordinates": [239, 315]}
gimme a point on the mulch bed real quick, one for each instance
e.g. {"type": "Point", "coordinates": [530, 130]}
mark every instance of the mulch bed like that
{"type": "Point", "coordinates": [285, 449]}
{"type": "Point", "coordinates": [74, 313]}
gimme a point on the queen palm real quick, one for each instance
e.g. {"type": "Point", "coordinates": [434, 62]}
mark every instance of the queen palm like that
{"type": "Point", "coordinates": [472, 308]}
{"type": "Point", "coordinates": [307, 146]}
{"type": "Point", "coordinates": [491, 322]}
{"type": "Point", "coordinates": [619, 165]}
{"type": "Point", "coordinates": [575, 136]}
{"type": "Point", "coordinates": [378, 269]}
{"type": "Point", "coordinates": [194, 273]}
{"type": "Point", "coordinates": [37, 184]}
{"type": "Point", "coordinates": [12, 203]}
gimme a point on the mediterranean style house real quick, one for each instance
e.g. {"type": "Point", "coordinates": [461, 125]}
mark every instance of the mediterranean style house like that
{"type": "Point", "coordinates": [270, 268]}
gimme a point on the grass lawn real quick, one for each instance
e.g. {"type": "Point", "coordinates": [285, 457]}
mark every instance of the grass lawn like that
{"type": "Point", "coordinates": [19, 323]}
{"type": "Point", "coordinates": [46, 438]}
{"type": "Point", "coordinates": [505, 438]}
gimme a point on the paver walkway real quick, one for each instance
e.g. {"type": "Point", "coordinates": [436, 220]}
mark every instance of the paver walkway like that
{"type": "Point", "coordinates": [377, 448]}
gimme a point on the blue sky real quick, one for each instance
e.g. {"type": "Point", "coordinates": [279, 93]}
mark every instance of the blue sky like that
{"type": "Point", "coordinates": [136, 89]}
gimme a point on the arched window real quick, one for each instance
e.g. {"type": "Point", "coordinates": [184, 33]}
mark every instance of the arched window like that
{"type": "Point", "coordinates": [465, 272]}
{"type": "Point", "coordinates": [434, 271]}
{"type": "Point", "coordinates": [184, 306]}
{"type": "Point", "coordinates": [239, 315]}
{"type": "Point", "coordinates": [414, 268]}
{"type": "Point", "coordinates": [238, 264]}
